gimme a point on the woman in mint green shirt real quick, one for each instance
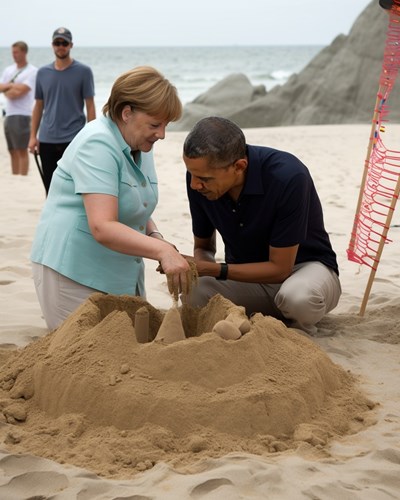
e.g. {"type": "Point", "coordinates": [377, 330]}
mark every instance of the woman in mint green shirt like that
{"type": "Point", "coordinates": [96, 224]}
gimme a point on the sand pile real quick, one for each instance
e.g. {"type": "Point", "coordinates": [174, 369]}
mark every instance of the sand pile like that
{"type": "Point", "coordinates": [90, 394]}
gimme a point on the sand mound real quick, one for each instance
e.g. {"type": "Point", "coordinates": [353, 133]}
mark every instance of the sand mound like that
{"type": "Point", "coordinates": [92, 395]}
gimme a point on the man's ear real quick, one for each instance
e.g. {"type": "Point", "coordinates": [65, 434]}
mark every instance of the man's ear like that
{"type": "Point", "coordinates": [241, 164]}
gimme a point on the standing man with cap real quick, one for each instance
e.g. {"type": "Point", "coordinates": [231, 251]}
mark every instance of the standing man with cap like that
{"type": "Point", "coordinates": [17, 83]}
{"type": "Point", "coordinates": [62, 89]}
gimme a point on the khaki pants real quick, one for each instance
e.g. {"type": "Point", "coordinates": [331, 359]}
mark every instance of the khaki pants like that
{"type": "Point", "coordinates": [58, 295]}
{"type": "Point", "coordinates": [302, 300]}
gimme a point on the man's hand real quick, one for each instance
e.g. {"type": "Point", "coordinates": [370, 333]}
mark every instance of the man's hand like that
{"type": "Point", "coordinates": [33, 146]}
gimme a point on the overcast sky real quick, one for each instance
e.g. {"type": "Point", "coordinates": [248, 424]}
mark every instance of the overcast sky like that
{"type": "Point", "coordinates": [179, 22]}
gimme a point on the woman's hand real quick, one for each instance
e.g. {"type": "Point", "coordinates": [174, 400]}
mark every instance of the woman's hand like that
{"type": "Point", "coordinates": [179, 274]}
{"type": "Point", "coordinates": [188, 258]}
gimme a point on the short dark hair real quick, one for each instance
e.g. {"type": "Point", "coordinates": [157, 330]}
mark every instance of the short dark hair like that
{"type": "Point", "coordinates": [216, 138]}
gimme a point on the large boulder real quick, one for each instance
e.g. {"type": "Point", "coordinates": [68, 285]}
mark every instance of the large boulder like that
{"type": "Point", "coordinates": [231, 94]}
{"type": "Point", "coordinates": [339, 85]}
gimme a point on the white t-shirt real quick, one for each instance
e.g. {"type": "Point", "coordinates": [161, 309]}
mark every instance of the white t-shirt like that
{"type": "Point", "coordinates": [22, 105]}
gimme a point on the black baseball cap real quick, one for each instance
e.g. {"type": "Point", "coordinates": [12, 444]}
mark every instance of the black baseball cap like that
{"type": "Point", "coordinates": [63, 33]}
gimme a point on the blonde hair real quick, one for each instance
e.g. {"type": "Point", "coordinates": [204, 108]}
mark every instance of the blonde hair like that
{"type": "Point", "coordinates": [21, 45]}
{"type": "Point", "coordinates": [146, 90]}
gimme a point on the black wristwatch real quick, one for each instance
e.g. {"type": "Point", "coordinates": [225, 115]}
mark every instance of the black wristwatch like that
{"type": "Point", "coordinates": [223, 275]}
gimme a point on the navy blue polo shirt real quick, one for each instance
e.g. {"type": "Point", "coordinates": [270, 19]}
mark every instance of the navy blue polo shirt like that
{"type": "Point", "coordinates": [278, 206]}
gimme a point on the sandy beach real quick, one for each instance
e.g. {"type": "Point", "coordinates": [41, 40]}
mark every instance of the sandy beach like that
{"type": "Point", "coordinates": [363, 463]}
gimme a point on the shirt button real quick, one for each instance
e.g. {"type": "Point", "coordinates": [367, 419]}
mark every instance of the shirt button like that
{"type": "Point", "coordinates": [233, 210]}
{"type": "Point", "coordinates": [145, 203]}
{"type": "Point", "coordinates": [241, 224]}
{"type": "Point", "coordinates": [141, 228]}
{"type": "Point", "coordinates": [137, 260]}
{"type": "Point", "coordinates": [144, 184]}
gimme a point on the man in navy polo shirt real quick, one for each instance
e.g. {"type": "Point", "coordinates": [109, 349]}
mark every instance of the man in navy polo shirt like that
{"type": "Point", "coordinates": [263, 202]}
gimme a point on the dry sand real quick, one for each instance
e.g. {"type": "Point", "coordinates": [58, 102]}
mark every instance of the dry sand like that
{"type": "Point", "coordinates": [327, 449]}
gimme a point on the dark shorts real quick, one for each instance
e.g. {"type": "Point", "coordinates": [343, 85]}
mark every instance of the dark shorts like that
{"type": "Point", "coordinates": [17, 129]}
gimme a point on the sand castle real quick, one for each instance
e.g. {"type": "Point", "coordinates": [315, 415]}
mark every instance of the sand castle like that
{"type": "Point", "coordinates": [120, 386]}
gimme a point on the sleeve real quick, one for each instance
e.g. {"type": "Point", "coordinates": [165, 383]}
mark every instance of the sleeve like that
{"type": "Point", "coordinates": [30, 79]}
{"type": "Point", "coordinates": [94, 167]}
{"type": "Point", "coordinates": [38, 86]}
{"type": "Point", "coordinates": [88, 83]}
{"type": "Point", "coordinates": [291, 221]}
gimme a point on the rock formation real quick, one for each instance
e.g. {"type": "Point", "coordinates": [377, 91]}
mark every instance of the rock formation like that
{"type": "Point", "coordinates": [339, 85]}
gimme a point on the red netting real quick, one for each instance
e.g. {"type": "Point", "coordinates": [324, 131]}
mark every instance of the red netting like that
{"type": "Point", "coordinates": [379, 192]}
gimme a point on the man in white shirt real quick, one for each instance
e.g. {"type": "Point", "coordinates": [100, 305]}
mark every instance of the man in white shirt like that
{"type": "Point", "coordinates": [18, 86]}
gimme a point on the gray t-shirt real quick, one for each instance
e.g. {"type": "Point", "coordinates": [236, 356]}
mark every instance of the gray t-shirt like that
{"type": "Point", "coordinates": [63, 94]}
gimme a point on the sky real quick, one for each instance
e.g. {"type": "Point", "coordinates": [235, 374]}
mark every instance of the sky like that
{"type": "Point", "coordinates": [99, 23]}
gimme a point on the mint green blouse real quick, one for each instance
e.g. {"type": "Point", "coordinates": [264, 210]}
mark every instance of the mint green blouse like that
{"type": "Point", "coordinates": [98, 160]}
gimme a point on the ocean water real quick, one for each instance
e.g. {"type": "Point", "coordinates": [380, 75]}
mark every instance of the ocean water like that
{"type": "Point", "coordinates": [193, 70]}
